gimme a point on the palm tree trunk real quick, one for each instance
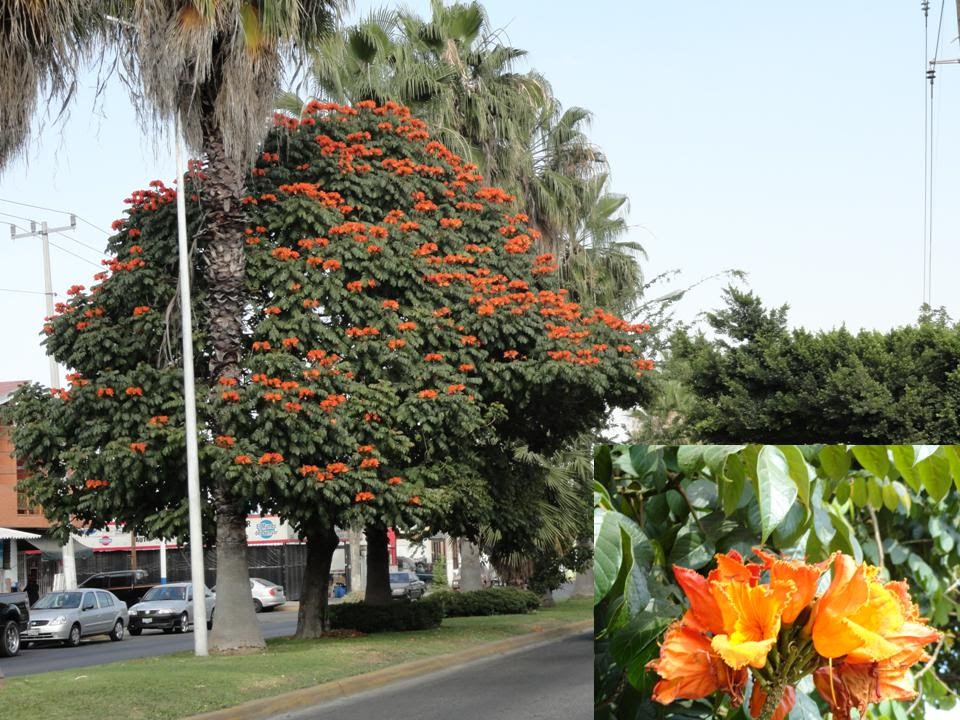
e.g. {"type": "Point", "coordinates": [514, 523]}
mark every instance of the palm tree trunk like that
{"type": "Point", "coordinates": [470, 569]}
{"type": "Point", "coordinates": [312, 619]}
{"type": "Point", "coordinates": [236, 627]}
{"type": "Point", "coordinates": [378, 566]}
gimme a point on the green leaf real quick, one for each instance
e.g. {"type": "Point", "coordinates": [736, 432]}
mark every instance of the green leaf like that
{"type": "Point", "coordinates": [631, 645]}
{"type": "Point", "coordinates": [776, 490]}
{"type": "Point", "coordinates": [935, 476]}
{"type": "Point", "coordinates": [804, 709]}
{"type": "Point", "coordinates": [873, 458]}
{"type": "Point", "coordinates": [602, 465]}
{"type": "Point", "coordinates": [903, 461]}
{"type": "Point", "coordinates": [607, 552]}
{"type": "Point", "coordinates": [845, 540]}
{"type": "Point", "coordinates": [601, 498]}
{"type": "Point", "coordinates": [922, 452]}
{"type": "Point", "coordinates": [800, 471]}
{"type": "Point", "coordinates": [702, 494]}
{"type": "Point", "coordinates": [874, 493]}
{"type": "Point", "coordinates": [690, 458]}
{"type": "Point", "coordinates": [902, 494]}
{"type": "Point", "coordinates": [691, 550]}
{"type": "Point", "coordinates": [835, 461]}
{"type": "Point", "coordinates": [716, 455]}
{"type": "Point", "coordinates": [890, 497]}
{"type": "Point", "coordinates": [731, 483]}
{"type": "Point", "coordinates": [952, 453]}
{"type": "Point", "coordinates": [822, 526]}
{"type": "Point", "coordinates": [859, 492]}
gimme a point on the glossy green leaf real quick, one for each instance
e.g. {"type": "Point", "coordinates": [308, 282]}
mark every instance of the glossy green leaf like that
{"type": "Point", "coordinates": [731, 484]}
{"type": "Point", "coordinates": [715, 455]}
{"type": "Point", "coordinates": [799, 470]}
{"type": "Point", "coordinates": [690, 458]}
{"type": "Point", "coordinates": [776, 490]}
{"type": "Point", "coordinates": [890, 498]}
{"type": "Point", "coordinates": [835, 461]}
{"type": "Point", "coordinates": [607, 552]}
{"type": "Point", "coordinates": [859, 491]}
{"type": "Point", "coordinates": [935, 476]}
{"type": "Point", "coordinates": [872, 458]}
{"type": "Point", "coordinates": [903, 460]}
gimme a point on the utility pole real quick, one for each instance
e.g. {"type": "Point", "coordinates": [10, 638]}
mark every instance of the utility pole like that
{"type": "Point", "coordinates": [69, 559]}
{"type": "Point", "coordinates": [190, 412]}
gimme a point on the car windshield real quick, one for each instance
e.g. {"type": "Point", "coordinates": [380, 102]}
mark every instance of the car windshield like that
{"type": "Point", "coordinates": [162, 592]}
{"type": "Point", "coordinates": [56, 600]}
{"type": "Point", "coordinates": [398, 578]}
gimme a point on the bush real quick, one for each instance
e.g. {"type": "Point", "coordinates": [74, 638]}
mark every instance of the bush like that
{"type": "Point", "coordinates": [386, 618]}
{"type": "Point", "coordinates": [490, 601]}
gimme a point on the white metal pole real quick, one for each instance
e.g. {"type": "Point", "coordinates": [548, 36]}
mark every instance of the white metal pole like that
{"type": "Point", "coordinates": [190, 405]}
{"type": "Point", "coordinates": [163, 562]}
{"type": "Point", "coordinates": [67, 553]}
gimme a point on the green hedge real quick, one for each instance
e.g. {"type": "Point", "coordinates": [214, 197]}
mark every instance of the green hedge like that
{"type": "Point", "coordinates": [490, 601]}
{"type": "Point", "coordinates": [386, 618]}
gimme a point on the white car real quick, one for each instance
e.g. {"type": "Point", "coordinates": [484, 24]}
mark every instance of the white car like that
{"type": "Point", "coordinates": [266, 595]}
{"type": "Point", "coordinates": [169, 608]}
{"type": "Point", "coordinates": [67, 616]}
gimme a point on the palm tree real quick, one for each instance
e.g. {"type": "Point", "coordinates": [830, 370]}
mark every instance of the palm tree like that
{"type": "Point", "coordinates": [42, 46]}
{"type": "Point", "coordinates": [218, 65]}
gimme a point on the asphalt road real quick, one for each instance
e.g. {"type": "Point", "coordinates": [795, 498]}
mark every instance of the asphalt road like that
{"type": "Point", "coordinates": [553, 681]}
{"type": "Point", "coordinates": [100, 649]}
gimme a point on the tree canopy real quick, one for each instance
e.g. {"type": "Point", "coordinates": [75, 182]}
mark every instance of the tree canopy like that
{"type": "Point", "coordinates": [399, 330]}
{"type": "Point", "coordinates": [756, 378]}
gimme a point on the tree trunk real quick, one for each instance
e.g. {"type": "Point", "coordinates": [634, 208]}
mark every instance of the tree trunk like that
{"type": "Point", "coordinates": [583, 583]}
{"type": "Point", "coordinates": [312, 619]}
{"type": "Point", "coordinates": [546, 600]}
{"type": "Point", "coordinates": [236, 627]}
{"type": "Point", "coordinates": [470, 569]}
{"type": "Point", "coordinates": [358, 573]}
{"type": "Point", "coordinates": [378, 566]}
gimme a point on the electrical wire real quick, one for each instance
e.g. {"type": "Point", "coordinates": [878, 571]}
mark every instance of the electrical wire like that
{"type": "Point", "coordinates": [79, 257]}
{"type": "Point", "coordinates": [18, 217]}
{"type": "Point", "coordinates": [26, 292]}
{"type": "Point", "coordinates": [78, 242]}
{"type": "Point", "coordinates": [62, 212]}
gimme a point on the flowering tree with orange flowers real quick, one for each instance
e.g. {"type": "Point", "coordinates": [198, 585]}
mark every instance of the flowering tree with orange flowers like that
{"type": "Point", "coordinates": [689, 627]}
{"type": "Point", "coordinates": [399, 323]}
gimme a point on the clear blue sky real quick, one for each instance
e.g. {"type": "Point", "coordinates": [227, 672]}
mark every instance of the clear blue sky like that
{"type": "Point", "coordinates": [783, 139]}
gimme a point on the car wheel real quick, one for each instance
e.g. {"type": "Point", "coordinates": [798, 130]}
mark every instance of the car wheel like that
{"type": "Point", "coordinates": [184, 621]}
{"type": "Point", "coordinates": [210, 621]}
{"type": "Point", "coordinates": [135, 630]}
{"type": "Point", "coordinates": [257, 606]}
{"type": "Point", "coordinates": [117, 633]}
{"type": "Point", "coordinates": [10, 642]}
{"type": "Point", "coordinates": [73, 640]}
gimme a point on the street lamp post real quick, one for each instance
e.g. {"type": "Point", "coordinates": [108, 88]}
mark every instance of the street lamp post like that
{"type": "Point", "coordinates": [190, 405]}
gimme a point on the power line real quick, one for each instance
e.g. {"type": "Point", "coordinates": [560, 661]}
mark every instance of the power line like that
{"type": "Point", "coordinates": [78, 242]}
{"type": "Point", "coordinates": [18, 217]}
{"type": "Point", "coordinates": [79, 257]}
{"type": "Point", "coordinates": [62, 212]}
{"type": "Point", "coordinates": [25, 292]}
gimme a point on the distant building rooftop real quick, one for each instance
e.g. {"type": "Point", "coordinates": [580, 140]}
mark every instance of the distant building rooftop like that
{"type": "Point", "coordinates": [7, 388]}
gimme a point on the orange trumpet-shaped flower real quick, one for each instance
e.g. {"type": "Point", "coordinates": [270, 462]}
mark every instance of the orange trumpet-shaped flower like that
{"type": "Point", "coordinates": [856, 614]}
{"type": "Point", "coordinates": [787, 701]}
{"type": "Point", "coordinates": [751, 620]}
{"type": "Point", "coordinates": [690, 669]}
{"type": "Point", "coordinates": [804, 577]}
{"type": "Point", "coordinates": [704, 613]}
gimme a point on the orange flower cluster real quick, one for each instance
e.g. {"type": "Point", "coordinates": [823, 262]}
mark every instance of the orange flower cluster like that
{"type": "Point", "coordinates": [427, 394]}
{"type": "Point", "coordinates": [736, 622]}
{"type": "Point", "coordinates": [141, 310]}
{"type": "Point", "coordinates": [363, 496]}
{"type": "Point", "coordinates": [158, 420]}
{"type": "Point", "coordinates": [138, 447]}
{"type": "Point", "coordinates": [134, 391]}
{"type": "Point", "coordinates": [93, 484]}
{"type": "Point", "coordinates": [270, 458]}
{"type": "Point", "coordinates": [224, 441]}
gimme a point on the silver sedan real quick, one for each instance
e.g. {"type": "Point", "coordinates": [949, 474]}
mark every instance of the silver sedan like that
{"type": "Point", "coordinates": [169, 608]}
{"type": "Point", "coordinates": [70, 615]}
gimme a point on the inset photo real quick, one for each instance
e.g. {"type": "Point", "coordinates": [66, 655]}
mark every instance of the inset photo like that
{"type": "Point", "coordinates": [777, 581]}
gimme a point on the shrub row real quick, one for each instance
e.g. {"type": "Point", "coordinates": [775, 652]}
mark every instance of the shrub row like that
{"type": "Point", "coordinates": [489, 601]}
{"type": "Point", "coordinates": [385, 618]}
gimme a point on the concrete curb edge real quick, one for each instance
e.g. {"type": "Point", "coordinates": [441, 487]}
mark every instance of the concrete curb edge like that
{"type": "Point", "coordinates": [265, 708]}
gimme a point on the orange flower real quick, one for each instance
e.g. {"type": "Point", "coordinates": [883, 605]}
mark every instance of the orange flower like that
{"type": "Point", "coordinates": [365, 449]}
{"type": "Point", "coordinates": [271, 458]}
{"type": "Point", "coordinates": [134, 392]}
{"type": "Point", "coordinates": [751, 620]}
{"type": "Point", "coordinates": [242, 460]}
{"type": "Point", "coordinates": [433, 357]}
{"type": "Point", "coordinates": [466, 367]}
{"type": "Point", "coordinates": [363, 496]}
{"type": "Point", "coordinates": [158, 420]}
{"type": "Point", "coordinates": [804, 577]}
{"type": "Point", "coordinates": [231, 396]}
{"type": "Point", "coordinates": [427, 394]}
{"type": "Point", "coordinates": [395, 481]}
{"type": "Point", "coordinates": [369, 463]}
{"type": "Point", "coordinates": [690, 669]}
{"type": "Point", "coordinates": [704, 613]}
{"type": "Point", "coordinates": [856, 614]}
{"type": "Point", "coordinates": [414, 500]}
{"type": "Point", "coordinates": [224, 441]}
{"type": "Point", "coordinates": [787, 701]}
{"type": "Point", "coordinates": [140, 310]}
{"type": "Point", "coordinates": [105, 391]}
{"type": "Point", "coordinates": [138, 447]}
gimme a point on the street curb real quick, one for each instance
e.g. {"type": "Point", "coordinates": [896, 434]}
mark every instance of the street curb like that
{"type": "Point", "coordinates": [265, 708]}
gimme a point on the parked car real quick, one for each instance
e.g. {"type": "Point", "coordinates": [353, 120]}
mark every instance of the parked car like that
{"type": "Point", "coordinates": [266, 595]}
{"type": "Point", "coordinates": [14, 616]}
{"type": "Point", "coordinates": [169, 608]}
{"type": "Point", "coordinates": [406, 584]}
{"type": "Point", "coordinates": [128, 585]}
{"type": "Point", "coordinates": [67, 616]}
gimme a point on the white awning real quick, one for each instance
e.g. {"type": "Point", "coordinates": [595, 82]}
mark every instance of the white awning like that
{"type": "Point", "coordinates": [8, 534]}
